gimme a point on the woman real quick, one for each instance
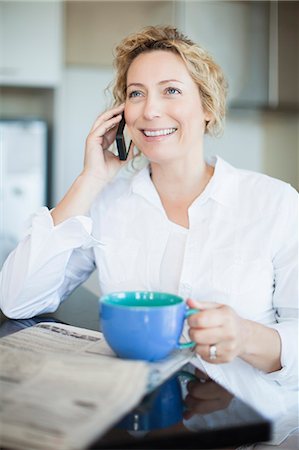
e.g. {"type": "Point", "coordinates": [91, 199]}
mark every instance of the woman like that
{"type": "Point", "coordinates": [225, 239]}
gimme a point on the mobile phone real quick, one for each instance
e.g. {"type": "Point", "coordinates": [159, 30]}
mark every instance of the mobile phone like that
{"type": "Point", "coordinates": [121, 140]}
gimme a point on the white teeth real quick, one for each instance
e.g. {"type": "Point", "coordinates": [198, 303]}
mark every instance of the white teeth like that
{"type": "Point", "coordinates": [159, 132]}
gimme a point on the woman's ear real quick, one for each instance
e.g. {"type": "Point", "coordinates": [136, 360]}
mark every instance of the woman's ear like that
{"type": "Point", "coordinates": [208, 116]}
{"type": "Point", "coordinates": [209, 119]}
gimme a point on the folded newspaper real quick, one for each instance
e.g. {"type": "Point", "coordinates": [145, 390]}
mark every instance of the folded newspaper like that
{"type": "Point", "coordinates": [61, 387]}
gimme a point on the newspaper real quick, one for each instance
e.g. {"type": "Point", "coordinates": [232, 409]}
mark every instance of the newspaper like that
{"type": "Point", "coordinates": [61, 387]}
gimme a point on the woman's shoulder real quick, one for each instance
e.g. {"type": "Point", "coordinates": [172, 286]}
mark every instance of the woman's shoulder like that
{"type": "Point", "coordinates": [261, 183]}
{"type": "Point", "coordinates": [263, 191]}
{"type": "Point", "coordinates": [266, 188]}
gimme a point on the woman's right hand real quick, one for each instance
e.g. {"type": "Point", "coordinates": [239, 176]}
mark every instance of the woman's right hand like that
{"type": "Point", "coordinates": [100, 166]}
{"type": "Point", "coordinates": [99, 163]}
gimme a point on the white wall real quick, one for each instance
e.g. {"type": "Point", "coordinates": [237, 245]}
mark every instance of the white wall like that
{"type": "Point", "coordinates": [242, 141]}
{"type": "Point", "coordinates": [262, 141]}
{"type": "Point", "coordinates": [281, 146]}
{"type": "Point", "coordinates": [80, 99]}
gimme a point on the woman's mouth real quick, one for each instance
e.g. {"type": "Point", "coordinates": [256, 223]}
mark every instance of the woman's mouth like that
{"type": "Point", "coordinates": [160, 132]}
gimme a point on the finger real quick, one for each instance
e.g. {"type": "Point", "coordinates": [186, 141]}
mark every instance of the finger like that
{"type": "Point", "coordinates": [203, 406]}
{"type": "Point", "coordinates": [207, 391]}
{"type": "Point", "coordinates": [207, 319]}
{"type": "Point", "coordinates": [188, 414]}
{"type": "Point", "coordinates": [199, 390]}
{"type": "Point", "coordinates": [204, 352]}
{"type": "Point", "coordinates": [106, 126]}
{"type": "Point", "coordinates": [202, 376]}
{"type": "Point", "coordinates": [110, 113]}
{"type": "Point", "coordinates": [226, 351]}
{"type": "Point", "coordinates": [202, 305]}
{"type": "Point", "coordinates": [206, 336]}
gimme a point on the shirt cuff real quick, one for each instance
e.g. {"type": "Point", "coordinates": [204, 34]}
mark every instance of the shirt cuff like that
{"type": "Point", "coordinates": [288, 374]}
{"type": "Point", "coordinates": [48, 241]}
{"type": "Point", "coordinates": [76, 231]}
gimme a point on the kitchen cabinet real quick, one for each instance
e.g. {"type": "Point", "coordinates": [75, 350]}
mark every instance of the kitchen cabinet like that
{"type": "Point", "coordinates": [256, 44]}
{"type": "Point", "coordinates": [94, 28]}
{"type": "Point", "coordinates": [288, 54]}
{"type": "Point", "coordinates": [30, 43]}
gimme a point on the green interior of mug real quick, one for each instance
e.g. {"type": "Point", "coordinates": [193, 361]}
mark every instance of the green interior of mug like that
{"type": "Point", "coordinates": [141, 299]}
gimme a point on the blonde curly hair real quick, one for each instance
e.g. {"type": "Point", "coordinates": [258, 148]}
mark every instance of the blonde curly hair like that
{"type": "Point", "coordinates": [204, 71]}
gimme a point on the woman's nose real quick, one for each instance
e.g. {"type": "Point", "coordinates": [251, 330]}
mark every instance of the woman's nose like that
{"type": "Point", "coordinates": [152, 107]}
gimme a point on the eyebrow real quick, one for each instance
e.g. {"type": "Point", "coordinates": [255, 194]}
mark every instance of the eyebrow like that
{"type": "Point", "coordinates": [160, 82]}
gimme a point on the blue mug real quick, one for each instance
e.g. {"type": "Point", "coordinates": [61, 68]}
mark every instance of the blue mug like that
{"type": "Point", "coordinates": [143, 325]}
{"type": "Point", "coordinates": [161, 409]}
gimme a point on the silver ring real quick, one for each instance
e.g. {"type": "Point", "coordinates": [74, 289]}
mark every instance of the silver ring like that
{"type": "Point", "coordinates": [213, 352]}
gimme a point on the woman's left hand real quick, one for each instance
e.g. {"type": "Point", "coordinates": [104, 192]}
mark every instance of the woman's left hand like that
{"type": "Point", "coordinates": [216, 325]}
{"type": "Point", "coordinates": [204, 396]}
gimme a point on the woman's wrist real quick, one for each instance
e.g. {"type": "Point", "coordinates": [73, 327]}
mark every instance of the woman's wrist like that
{"type": "Point", "coordinates": [78, 199]}
{"type": "Point", "coordinates": [261, 346]}
{"type": "Point", "coordinates": [94, 184]}
{"type": "Point", "coordinates": [246, 347]}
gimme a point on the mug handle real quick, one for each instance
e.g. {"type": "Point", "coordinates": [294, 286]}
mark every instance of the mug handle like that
{"type": "Point", "coordinates": [190, 344]}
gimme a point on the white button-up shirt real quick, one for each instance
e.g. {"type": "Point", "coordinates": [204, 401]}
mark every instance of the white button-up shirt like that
{"type": "Point", "coordinates": [240, 249]}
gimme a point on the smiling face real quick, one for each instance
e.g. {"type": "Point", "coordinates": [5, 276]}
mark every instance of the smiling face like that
{"type": "Point", "coordinates": [163, 108]}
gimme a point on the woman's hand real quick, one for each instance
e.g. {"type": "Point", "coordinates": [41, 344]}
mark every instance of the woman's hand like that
{"type": "Point", "coordinates": [230, 336]}
{"type": "Point", "coordinates": [98, 162]}
{"type": "Point", "coordinates": [205, 396]}
{"type": "Point", "coordinates": [100, 166]}
{"type": "Point", "coordinates": [217, 325]}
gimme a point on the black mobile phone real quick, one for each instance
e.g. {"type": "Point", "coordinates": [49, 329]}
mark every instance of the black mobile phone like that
{"type": "Point", "coordinates": [121, 141]}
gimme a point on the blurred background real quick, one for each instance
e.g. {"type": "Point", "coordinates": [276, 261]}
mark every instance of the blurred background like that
{"type": "Point", "coordinates": [56, 62]}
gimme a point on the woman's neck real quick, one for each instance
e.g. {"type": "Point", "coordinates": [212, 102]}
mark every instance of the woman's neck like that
{"type": "Point", "coordinates": [178, 182]}
{"type": "Point", "coordinates": [179, 187]}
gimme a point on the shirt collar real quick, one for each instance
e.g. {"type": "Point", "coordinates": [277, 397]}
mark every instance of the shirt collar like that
{"type": "Point", "coordinates": [222, 187]}
{"type": "Point", "coordinates": [143, 185]}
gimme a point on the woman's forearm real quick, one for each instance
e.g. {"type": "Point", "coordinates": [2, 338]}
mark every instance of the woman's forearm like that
{"type": "Point", "coordinates": [78, 199]}
{"type": "Point", "coordinates": [262, 347]}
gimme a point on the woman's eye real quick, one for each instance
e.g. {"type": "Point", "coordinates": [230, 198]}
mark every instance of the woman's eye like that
{"type": "Point", "coordinates": [134, 94]}
{"type": "Point", "coordinates": [172, 90]}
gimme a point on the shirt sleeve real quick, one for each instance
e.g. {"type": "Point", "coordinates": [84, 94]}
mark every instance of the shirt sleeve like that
{"type": "Point", "coordinates": [46, 265]}
{"type": "Point", "coordinates": [285, 296]}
